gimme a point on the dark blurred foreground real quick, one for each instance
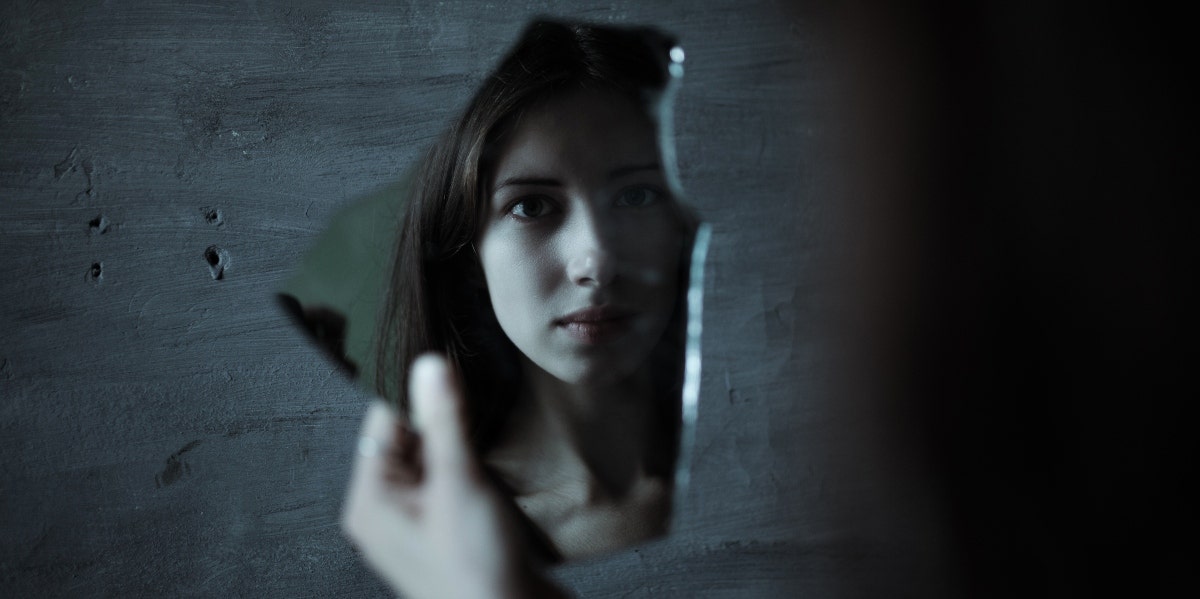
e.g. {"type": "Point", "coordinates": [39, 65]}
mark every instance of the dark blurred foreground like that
{"type": "Point", "coordinates": [1017, 240]}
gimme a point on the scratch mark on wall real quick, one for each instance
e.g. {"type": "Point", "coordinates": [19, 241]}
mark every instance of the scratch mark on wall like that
{"type": "Point", "coordinates": [67, 165]}
{"type": "Point", "coordinates": [176, 467]}
{"type": "Point", "coordinates": [731, 391]}
{"type": "Point", "coordinates": [76, 162]}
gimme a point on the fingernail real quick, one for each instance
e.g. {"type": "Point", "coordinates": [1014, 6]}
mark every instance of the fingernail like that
{"type": "Point", "coordinates": [427, 387]}
{"type": "Point", "coordinates": [433, 368]}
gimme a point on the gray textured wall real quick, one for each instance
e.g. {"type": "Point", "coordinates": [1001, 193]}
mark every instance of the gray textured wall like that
{"type": "Point", "coordinates": [167, 433]}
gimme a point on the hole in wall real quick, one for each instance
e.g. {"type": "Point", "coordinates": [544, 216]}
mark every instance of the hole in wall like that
{"type": "Point", "coordinates": [98, 225]}
{"type": "Point", "coordinates": [218, 260]}
{"type": "Point", "coordinates": [213, 216]}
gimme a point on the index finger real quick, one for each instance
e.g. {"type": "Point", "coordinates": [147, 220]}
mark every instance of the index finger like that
{"type": "Point", "coordinates": [438, 404]}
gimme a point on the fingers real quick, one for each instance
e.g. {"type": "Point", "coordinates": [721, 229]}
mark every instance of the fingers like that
{"type": "Point", "coordinates": [438, 405]}
{"type": "Point", "coordinates": [366, 480]}
{"type": "Point", "coordinates": [404, 464]}
{"type": "Point", "coordinates": [376, 440]}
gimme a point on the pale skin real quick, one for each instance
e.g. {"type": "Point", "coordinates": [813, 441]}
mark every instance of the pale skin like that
{"type": "Point", "coordinates": [577, 220]}
{"type": "Point", "coordinates": [421, 511]}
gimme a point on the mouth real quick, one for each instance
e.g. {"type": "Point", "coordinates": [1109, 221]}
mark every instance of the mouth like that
{"type": "Point", "coordinates": [597, 324]}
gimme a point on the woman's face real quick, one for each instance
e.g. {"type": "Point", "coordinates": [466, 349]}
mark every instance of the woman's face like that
{"type": "Point", "coordinates": [580, 246]}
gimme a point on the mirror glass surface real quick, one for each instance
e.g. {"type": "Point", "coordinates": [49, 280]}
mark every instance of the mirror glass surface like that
{"type": "Point", "coordinates": [543, 244]}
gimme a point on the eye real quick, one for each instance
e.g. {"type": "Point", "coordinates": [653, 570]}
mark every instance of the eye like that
{"type": "Point", "coordinates": [639, 196]}
{"type": "Point", "coordinates": [531, 207]}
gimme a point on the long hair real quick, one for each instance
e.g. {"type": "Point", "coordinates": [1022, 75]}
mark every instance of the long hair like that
{"type": "Point", "coordinates": [436, 297]}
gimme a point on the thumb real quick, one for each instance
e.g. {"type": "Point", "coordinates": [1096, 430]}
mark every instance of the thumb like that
{"type": "Point", "coordinates": [436, 396]}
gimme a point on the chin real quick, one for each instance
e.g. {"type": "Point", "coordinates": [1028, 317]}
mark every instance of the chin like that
{"type": "Point", "coordinates": [591, 372]}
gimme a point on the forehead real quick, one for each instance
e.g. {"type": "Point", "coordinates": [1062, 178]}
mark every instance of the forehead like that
{"type": "Point", "coordinates": [582, 133]}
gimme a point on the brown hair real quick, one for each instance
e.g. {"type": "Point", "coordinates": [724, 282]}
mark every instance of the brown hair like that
{"type": "Point", "coordinates": [436, 297]}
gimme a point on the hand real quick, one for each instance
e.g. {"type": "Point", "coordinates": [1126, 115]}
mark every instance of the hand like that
{"type": "Point", "coordinates": [420, 509]}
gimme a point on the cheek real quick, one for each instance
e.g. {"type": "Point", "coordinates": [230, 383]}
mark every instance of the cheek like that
{"type": "Point", "coordinates": [651, 254]}
{"type": "Point", "coordinates": [518, 279]}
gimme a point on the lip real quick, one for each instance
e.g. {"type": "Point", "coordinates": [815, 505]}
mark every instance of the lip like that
{"type": "Point", "coordinates": [594, 314]}
{"type": "Point", "coordinates": [597, 324]}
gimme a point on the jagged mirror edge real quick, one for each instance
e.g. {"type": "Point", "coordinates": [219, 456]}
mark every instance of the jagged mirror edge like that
{"type": "Point", "coordinates": [690, 399]}
{"type": "Point", "coordinates": [690, 396]}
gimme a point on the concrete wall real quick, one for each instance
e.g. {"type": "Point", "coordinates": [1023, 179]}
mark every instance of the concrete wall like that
{"type": "Point", "coordinates": [168, 433]}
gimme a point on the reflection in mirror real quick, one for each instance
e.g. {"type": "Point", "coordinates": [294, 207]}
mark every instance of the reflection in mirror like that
{"type": "Point", "coordinates": [543, 247]}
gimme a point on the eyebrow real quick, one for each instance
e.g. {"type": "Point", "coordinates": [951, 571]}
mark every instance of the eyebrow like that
{"type": "Point", "coordinates": [551, 182]}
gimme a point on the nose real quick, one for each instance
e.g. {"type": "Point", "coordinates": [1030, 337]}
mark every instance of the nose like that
{"type": "Point", "coordinates": [592, 268]}
{"type": "Point", "coordinates": [590, 260]}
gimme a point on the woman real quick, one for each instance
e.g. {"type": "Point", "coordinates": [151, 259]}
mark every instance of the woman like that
{"type": "Point", "coordinates": [543, 254]}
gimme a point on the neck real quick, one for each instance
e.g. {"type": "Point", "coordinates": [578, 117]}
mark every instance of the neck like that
{"type": "Point", "coordinates": [583, 407]}
{"type": "Point", "coordinates": [592, 435]}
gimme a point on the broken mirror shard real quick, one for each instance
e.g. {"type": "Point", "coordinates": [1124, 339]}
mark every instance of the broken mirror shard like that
{"type": "Point", "coordinates": [545, 246]}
